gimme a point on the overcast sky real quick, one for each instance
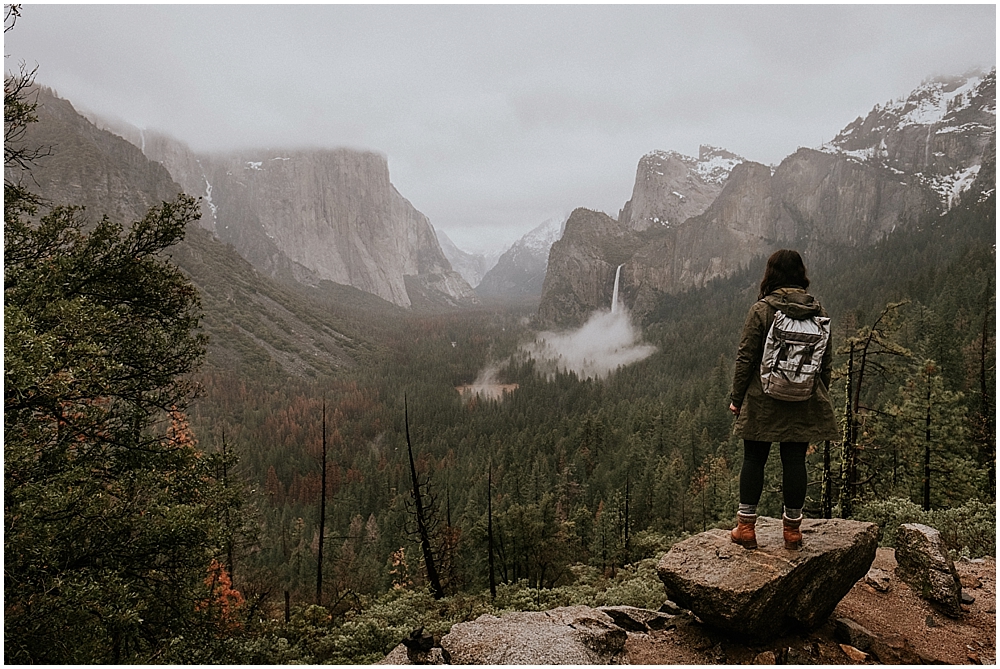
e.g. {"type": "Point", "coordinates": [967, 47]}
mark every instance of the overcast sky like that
{"type": "Point", "coordinates": [494, 118]}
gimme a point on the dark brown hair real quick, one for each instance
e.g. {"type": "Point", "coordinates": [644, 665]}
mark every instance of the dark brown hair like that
{"type": "Point", "coordinates": [784, 269]}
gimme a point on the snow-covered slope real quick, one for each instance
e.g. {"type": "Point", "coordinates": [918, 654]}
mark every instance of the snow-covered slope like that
{"type": "Point", "coordinates": [936, 134]}
{"type": "Point", "coordinates": [520, 271]}
{"type": "Point", "coordinates": [671, 187]}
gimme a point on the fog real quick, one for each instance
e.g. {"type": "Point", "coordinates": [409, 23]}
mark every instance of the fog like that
{"type": "Point", "coordinates": [607, 341]}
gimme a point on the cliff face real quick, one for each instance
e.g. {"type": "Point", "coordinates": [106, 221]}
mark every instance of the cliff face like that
{"type": "Point", "coordinates": [906, 162]}
{"type": "Point", "coordinates": [832, 200]}
{"type": "Point", "coordinates": [671, 187]}
{"type": "Point", "coordinates": [330, 215]}
{"type": "Point", "coordinates": [251, 320]}
{"type": "Point", "coordinates": [815, 202]}
{"type": "Point", "coordinates": [315, 215]}
{"type": "Point", "coordinates": [88, 167]}
{"type": "Point", "coordinates": [582, 266]}
{"type": "Point", "coordinates": [938, 133]}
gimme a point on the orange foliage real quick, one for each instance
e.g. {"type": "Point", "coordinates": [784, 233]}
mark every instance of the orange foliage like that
{"type": "Point", "coordinates": [179, 433]}
{"type": "Point", "coordinates": [400, 570]}
{"type": "Point", "coordinates": [222, 596]}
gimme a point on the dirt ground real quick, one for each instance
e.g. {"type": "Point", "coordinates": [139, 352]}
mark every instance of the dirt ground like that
{"type": "Point", "coordinates": [912, 630]}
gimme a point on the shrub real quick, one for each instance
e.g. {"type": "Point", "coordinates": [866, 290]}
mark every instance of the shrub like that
{"type": "Point", "coordinates": [968, 530]}
{"type": "Point", "coordinates": [635, 585]}
{"type": "Point", "coordinates": [650, 544]}
{"type": "Point", "coordinates": [889, 514]}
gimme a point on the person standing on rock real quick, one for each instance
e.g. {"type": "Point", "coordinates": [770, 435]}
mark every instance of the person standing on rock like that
{"type": "Point", "coordinates": [781, 392]}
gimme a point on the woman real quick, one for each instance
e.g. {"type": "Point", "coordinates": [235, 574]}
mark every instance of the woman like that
{"type": "Point", "coordinates": [762, 419]}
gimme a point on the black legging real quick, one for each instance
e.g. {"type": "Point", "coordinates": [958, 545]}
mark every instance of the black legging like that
{"type": "Point", "coordinates": [793, 472]}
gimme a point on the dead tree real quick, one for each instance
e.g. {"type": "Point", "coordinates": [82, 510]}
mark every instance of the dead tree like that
{"type": "Point", "coordinates": [229, 530]}
{"type": "Point", "coordinates": [865, 348]}
{"type": "Point", "coordinates": [987, 431]}
{"type": "Point", "coordinates": [322, 515]}
{"type": "Point", "coordinates": [423, 514]}
{"type": "Point", "coordinates": [827, 502]}
{"type": "Point", "coordinates": [489, 531]}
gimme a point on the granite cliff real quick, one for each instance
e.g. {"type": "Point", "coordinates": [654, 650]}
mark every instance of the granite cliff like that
{"type": "Point", "coordinates": [939, 132]}
{"type": "Point", "coordinates": [671, 187]}
{"type": "Point", "coordinates": [314, 215]}
{"type": "Point", "coordinates": [252, 320]}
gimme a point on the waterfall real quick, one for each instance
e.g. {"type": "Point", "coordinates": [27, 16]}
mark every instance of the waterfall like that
{"type": "Point", "coordinates": [614, 295]}
{"type": "Point", "coordinates": [208, 201]}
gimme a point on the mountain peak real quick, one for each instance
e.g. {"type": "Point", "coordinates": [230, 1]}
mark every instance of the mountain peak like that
{"type": "Point", "coordinates": [936, 135]}
{"type": "Point", "coordinates": [543, 236]}
{"type": "Point", "coordinates": [472, 266]}
{"type": "Point", "coordinates": [671, 187]}
{"type": "Point", "coordinates": [520, 271]}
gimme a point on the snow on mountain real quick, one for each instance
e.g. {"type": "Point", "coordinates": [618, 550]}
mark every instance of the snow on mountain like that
{"type": "Point", "coordinates": [713, 164]}
{"type": "Point", "coordinates": [936, 134]}
{"type": "Point", "coordinates": [520, 271]}
{"type": "Point", "coordinates": [541, 238]}
{"type": "Point", "coordinates": [935, 100]}
{"type": "Point", "coordinates": [671, 187]}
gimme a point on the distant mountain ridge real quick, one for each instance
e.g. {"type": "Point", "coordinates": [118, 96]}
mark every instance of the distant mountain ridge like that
{"type": "Point", "coordinates": [520, 271]}
{"type": "Point", "coordinates": [314, 215]}
{"type": "Point", "coordinates": [472, 266]}
{"type": "Point", "coordinates": [938, 132]}
{"type": "Point", "coordinates": [904, 163]}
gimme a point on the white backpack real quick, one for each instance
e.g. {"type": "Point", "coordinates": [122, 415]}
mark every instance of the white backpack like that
{"type": "Point", "coordinates": [793, 354]}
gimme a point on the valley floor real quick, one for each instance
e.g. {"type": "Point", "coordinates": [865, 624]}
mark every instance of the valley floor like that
{"type": "Point", "coordinates": [898, 617]}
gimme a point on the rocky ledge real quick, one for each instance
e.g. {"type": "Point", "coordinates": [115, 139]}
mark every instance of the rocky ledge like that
{"type": "Point", "coordinates": [567, 635]}
{"type": "Point", "coordinates": [759, 594]}
{"type": "Point", "coordinates": [887, 614]}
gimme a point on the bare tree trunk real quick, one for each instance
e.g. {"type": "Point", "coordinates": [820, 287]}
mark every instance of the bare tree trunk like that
{"type": "Point", "coordinates": [848, 489]}
{"type": "Point", "coordinates": [927, 450]}
{"type": "Point", "coordinates": [628, 499]}
{"type": "Point", "coordinates": [489, 531]}
{"type": "Point", "coordinates": [827, 482]}
{"type": "Point", "coordinates": [229, 536]}
{"type": "Point", "coordinates": [986, 409]}
{"type": "Point", "coordinates": [422, 529]}
{"type": "Point", "coordinates": [322, 516]}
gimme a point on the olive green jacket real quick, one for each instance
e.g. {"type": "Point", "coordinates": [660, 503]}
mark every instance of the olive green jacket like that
{"type": "Point", "coordinates": [763, 418]}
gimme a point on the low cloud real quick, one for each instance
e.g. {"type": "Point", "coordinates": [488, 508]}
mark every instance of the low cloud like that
{"type": "Point", "coordinates": [607, 341]}
{"type": "Point", "coordinates": [604, 343]}
{"type": "Point", "coordinates": [487, 385]}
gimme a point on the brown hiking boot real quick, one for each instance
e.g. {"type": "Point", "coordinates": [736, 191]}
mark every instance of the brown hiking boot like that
{"type": "Point", "coordinates": [791, 533]}
{"type": "Point", "coordinates": [744, 533]}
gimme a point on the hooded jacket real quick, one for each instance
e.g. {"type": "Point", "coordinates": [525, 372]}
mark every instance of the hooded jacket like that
{"type": "Point", "coordinates": [763, 418]}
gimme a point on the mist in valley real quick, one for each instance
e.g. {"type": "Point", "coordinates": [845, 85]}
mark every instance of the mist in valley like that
{"type": "Point", "coordinates": [608, 340]}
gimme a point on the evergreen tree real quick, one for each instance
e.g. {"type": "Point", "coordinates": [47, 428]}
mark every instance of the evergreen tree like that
{"type": "Point", "coordinates": [930, 424]}
{"type": "Point", "coordinates": [110, 519]}
{"type": "Point", "coordinates": [112, 515]}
